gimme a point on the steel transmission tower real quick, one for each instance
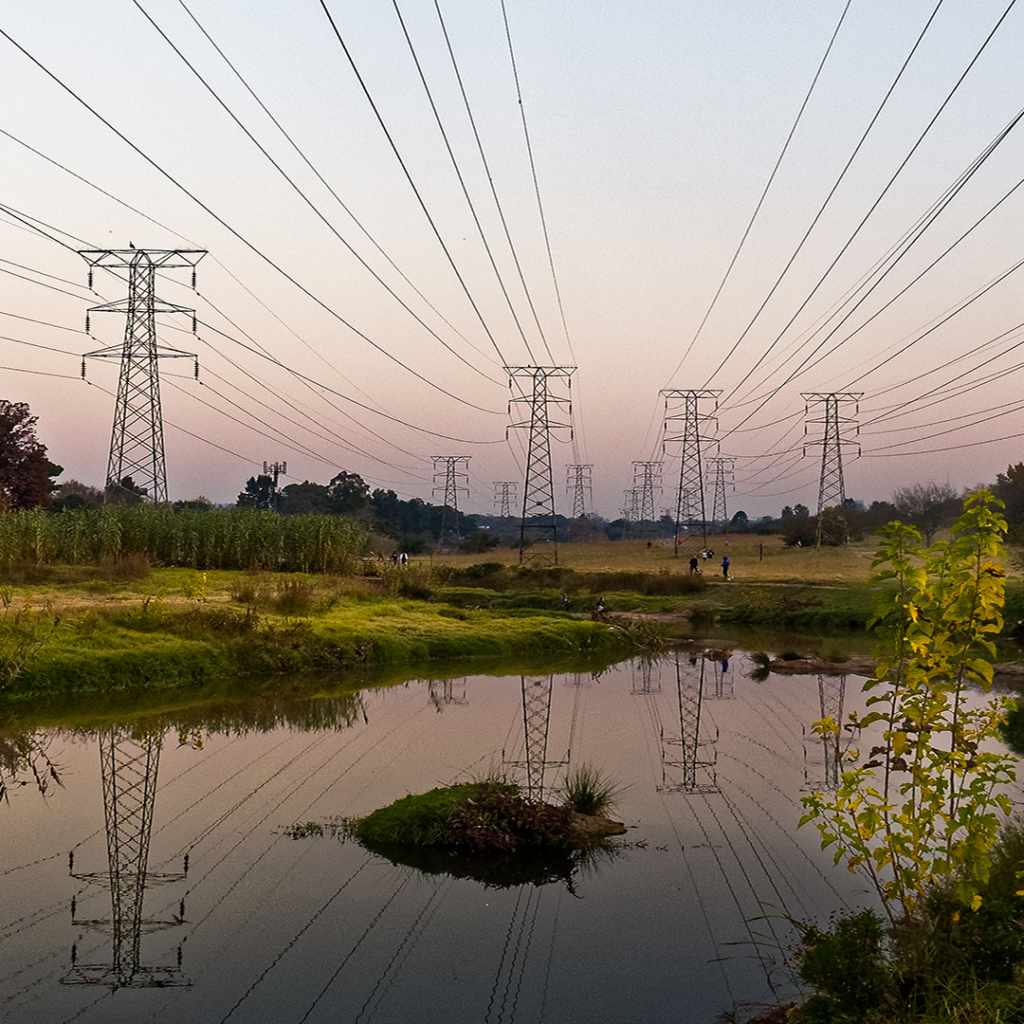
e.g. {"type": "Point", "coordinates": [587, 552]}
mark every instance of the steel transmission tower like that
{"type": "Point", "coordinates": [646, 480]}
{"type": "Point", "coordinates": [536, 721]}
{"type": "Point", "coordinates": [831, 697]}
{"type": "Point", "coordinates": [578, 481]}
{"type": "Point", "coordinates": [539, 495]}
{"type": "Point", "coordinates": [832, 487]}
{"type": "Point", "coordinates": [129, 767]}
{"type": "Point", "coordinates": [504, 495]}
{"type": "Point", "coordinates": [683, 406]}
{"type": "Point", "coordinates": [137, 439]}
{"type": "Point", "coordinates": [723, 468]}
{"type": "Point", "coordinates": [630, 510]}
{"type": "Point", "coordinates": [698, 758]}
{"type": "Point", "coordinates": [448, 468]}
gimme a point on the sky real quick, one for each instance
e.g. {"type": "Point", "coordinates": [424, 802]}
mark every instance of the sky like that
{"type": "Point", "coordinates": [760, 199]}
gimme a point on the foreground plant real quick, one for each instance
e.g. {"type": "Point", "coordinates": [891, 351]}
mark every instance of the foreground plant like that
{"type": "Point", "coordinates": [925, 808]}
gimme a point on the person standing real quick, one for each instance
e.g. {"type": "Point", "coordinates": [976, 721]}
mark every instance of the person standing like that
{"type": "Point", "coordinates": [693, 564]}
{"type": "Point", "coordinates": [725, 566]}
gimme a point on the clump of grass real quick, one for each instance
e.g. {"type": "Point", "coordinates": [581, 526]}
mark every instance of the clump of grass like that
{"type": "Point", "coordinates": [294, 597]}
{"type": "Point", "coordinates": [588, 791]}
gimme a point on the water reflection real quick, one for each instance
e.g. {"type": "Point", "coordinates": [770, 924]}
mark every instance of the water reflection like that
{"type": "Point", "coordinates": [129, 765]}
{"type": "Point", "coordinates": [319, 931]}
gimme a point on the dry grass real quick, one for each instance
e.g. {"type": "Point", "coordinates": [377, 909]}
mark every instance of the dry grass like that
{"type": "Point", "coordinates": [753, 559]}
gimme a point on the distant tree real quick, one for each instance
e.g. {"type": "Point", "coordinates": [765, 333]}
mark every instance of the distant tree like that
{"type": "Point", "coordinates": [801, 511]}
{"type": "Point", "coordinates": [928, 506]}
{"type": "Point", "coordinates": [125, 492]}
{"type": "Point", "coordinates": [349, 495]}
{"type": "Point", "coordinates": [24, 468]}
{"type": "Point", "coordinates": [258, 494]}
{"type": "Point", "coordinates": [740, 520]}
{"type": "Point", "coordinates": [303, 499]}
{"type": "Point", "coordinates": [75, 494]}
{"type": "Point", "coordinates": [200, 504]}
{"type": "Point", "coordinates": [787, 512]}
{"type": "Point", "coordinates": [480, 541]}
{"type": "Point", "coordinates": [1009, 489]}
{"type": "Point", "coordinates": [799, 531]}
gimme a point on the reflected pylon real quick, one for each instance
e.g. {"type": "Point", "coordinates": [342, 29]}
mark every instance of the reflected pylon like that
{"type": "Point", "coordinates": [129, 767]}
{"type": "Point", "coordinates": [697, 740]}
{"type": "Point", "coordinates": [447, 693]}
{"type": "Point", "coordinates": [536, 719]}
{"type": "Point", "coordinates": [644, 684]}
{"type": "Point", "coordinates": [831, 696]}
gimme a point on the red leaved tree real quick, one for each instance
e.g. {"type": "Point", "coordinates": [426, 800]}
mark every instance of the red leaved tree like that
{"type": "Point", "coordinates": [24, 468]}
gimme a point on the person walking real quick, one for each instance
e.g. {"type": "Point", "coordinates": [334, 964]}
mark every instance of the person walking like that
{"type": "Point", "coordinates": [693, 564]}
{"type": "Point", "coordinates": [725, 566]}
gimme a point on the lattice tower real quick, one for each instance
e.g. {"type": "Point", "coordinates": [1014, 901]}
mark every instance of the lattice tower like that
{"type": "Point", "coordinates": [129, 768]}
{"type": "Point", "coordinates": [831, 699]}
{"type": "Point", "coordinates": [448, 469]}
{"type": "Point", "coordinates": [137, 438]}
{"type": "Point", "coordinates": [536, 722]}
{"type": "Point", "coordinates": [698, 758]}
{"type": "Point", "coordinates": [722, 468]}
{"type": "Point", "coordinates": [504, 495]}
{"type": "Point", "coordinates": [578, 483]}
{"type": "Point", "coordinates": [831, 486]}
{"type": "Point", "coordinates": [647, 481]}
{"type": "Point", "coordinates": [539, 492]}
{"type": "Point", "coordinates": [682, 411]}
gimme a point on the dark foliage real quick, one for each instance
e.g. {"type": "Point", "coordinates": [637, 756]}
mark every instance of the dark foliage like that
{"type": "Point", "coordinates": [24, 467]}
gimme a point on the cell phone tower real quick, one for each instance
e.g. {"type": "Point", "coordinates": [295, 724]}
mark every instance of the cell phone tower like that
{"type": "Point", "coordinates": [137, 439]}
{"type": "Point", "coordinates": [578, 483]}
{"type": "Point", "coordinates": [682, 406]}
{"type": "Point", "coordinates": [833, 529]}
{"type": "Point", "coordinates": [504, 495]}
{"type": "Point", "coordinates": [448, 468]}
{"type": "Point", "coordinates": [539, 492]}
{"type": "Point", "coordinates": [723, 470]}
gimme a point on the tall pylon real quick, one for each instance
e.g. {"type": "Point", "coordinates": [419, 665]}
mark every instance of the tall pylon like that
{"type": "Point", "coordinates": [449, 469]}
{"type": "Point", "coordinates": [831, 697]}
{"type": "Point", "coordinates": [504, 495]}
{"type": "Point", "coordinates": [698, 758]}
{"type": "Point", "coordinates": [536, 721]}
{"type": "Point", "coordinates": [722, 468]}
{"type": "Point", "coordinates": [630, 511]}
{"type": "Point", "coordinates": [646, 481]}
{"type": "Point", "coordinates": [539, 492]}
{"type": "Point", "coordinates": [683, 405]}
{"type": "Point", "coordinates": [832, 486]}
{"type": "Point", "coordinates": [137, 438]}
{"type": "Point", "coordinates": [129, 767]}
{"type": "Point", "coordinates": [578, 483]}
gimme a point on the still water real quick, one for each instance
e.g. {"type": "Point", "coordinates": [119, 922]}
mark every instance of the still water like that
{"type": "Point", "coordinates": [239, 922]}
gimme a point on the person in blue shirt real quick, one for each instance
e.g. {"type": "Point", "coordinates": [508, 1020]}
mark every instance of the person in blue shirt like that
{"type": "Point", "coordinates": [725, 566]}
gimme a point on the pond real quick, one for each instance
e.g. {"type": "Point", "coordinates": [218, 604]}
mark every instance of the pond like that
{"type": "Point", "coordinates": [240, 922]}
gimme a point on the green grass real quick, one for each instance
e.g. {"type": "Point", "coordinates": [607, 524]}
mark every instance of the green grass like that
{"type": "Point", "coordinates": [587, 791]}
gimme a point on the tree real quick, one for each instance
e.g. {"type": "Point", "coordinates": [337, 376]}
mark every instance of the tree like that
{"type": "Point", "coordinates": [126, 492]}
{"type": "Point", "coordinates": [348, 494]}
{"type": "Point", "coordinates": [24, 467]}
{"type": "Point", "coordinates": [258, 494]}
{"type": "Point", "coordinates": [740, 520]}
{"type": "Point", "coordinates": [928, 506]}
{"type": "Point", "coordinates": [75, 494]}
{"type": "Point", "coordinates": [1009, 489]}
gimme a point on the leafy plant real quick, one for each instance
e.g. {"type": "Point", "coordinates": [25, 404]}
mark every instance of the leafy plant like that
{"type": "Point", "coordinates": [932, 816]}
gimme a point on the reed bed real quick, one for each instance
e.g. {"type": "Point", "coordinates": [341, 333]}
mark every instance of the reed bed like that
{"type": "Point", "coordinates": [213, 539]}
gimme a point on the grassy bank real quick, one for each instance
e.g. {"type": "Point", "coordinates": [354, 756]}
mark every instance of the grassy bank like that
{"type": "Point", "coordinates": [183, 629]}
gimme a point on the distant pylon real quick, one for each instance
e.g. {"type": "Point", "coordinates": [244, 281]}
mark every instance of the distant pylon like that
{"type": "Point", "coordinates": [697, 739]}
{"type": "Point", "coordinates": [723, 468]}
{"type": "Point", "coordinates": [647, 480]}
{"type": "Point", "coordinates": [448, 468]}
{"type": "Point", "coordinates": [137, 439]}
{"type": "Point", "coordinates": [504, 495]}
{"type": "Point", "coordinates": [831, 486]}
{"type": "Point", "coordinates": [630, 511]}
{"type": "Point", "coordinates": [690, 506]}
{"type": "Point", "coordinates": [578, 482]}
{"type": "Point", "coordinates": [536, 720]}
{"type": "Point", "coordinates": [539, 492]}
{"type": "Point", "coordinates": [831, 697]}
{"type": "Point", "coordinates": [129, 767]}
